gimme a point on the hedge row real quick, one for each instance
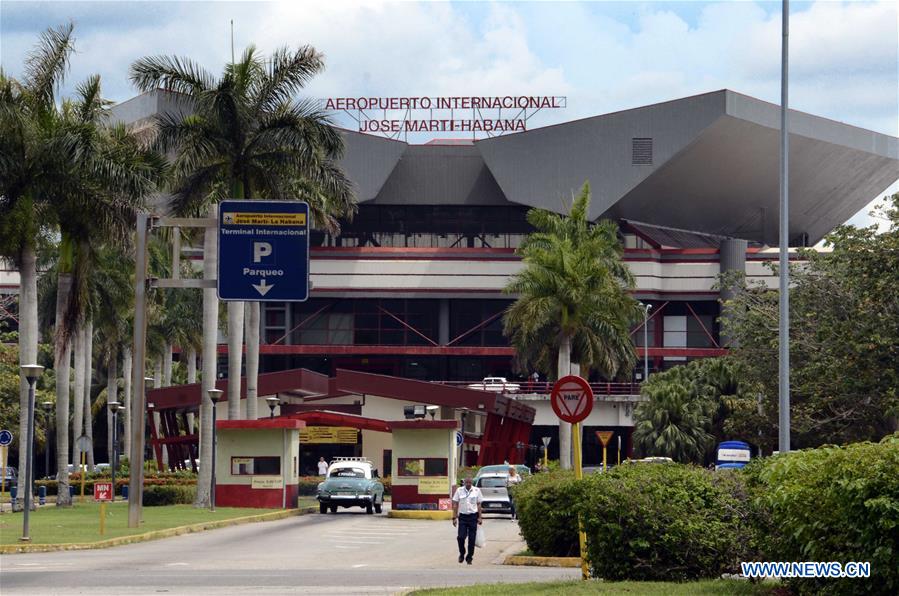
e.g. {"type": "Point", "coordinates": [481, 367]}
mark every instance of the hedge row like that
{"type": "Point", "coordinates": [173, 494]}
{"type": "Point", "coordinates": [677, 522]}
{"type": "Point", "coordinates": [52, 485]}
{"type": "Point", "coordinates": [832, 504]}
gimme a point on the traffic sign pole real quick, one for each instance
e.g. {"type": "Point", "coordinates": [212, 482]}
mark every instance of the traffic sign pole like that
{"type": "Point", "coordinates": [579, 475]}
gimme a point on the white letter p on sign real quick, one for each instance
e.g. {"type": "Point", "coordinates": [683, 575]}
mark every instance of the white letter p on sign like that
{"type": "Point", "coordinates": [260, 250]}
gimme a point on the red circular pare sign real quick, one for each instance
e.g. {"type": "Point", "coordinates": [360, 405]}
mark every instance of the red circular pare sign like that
{"type": "Point", "coordinates": [571, 398]}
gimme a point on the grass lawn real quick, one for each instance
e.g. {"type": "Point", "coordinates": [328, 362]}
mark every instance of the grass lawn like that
{"type": "Point", "coordinates": [701, 588]}
{"type": "Point", "coordinates": [81, 522]}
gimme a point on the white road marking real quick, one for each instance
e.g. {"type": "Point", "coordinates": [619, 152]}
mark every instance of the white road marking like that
{"type": "Point", "coordinates": [341, 541]}
{"type": "Point", "coordinates": [360, 565]}
{"type": "Point", "coordinates": [176, 564]}
{"type": "Point", "coordinates": [350, 547]}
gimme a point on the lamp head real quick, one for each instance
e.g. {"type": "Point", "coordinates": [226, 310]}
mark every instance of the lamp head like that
{"type": "Point", "coordinates": [113, 406]}
{"type": "Point", "coordinates": [432, 410]}
{"type": "Point", "coordinates": [272, 402]}
{"type": "Point", "coordinates": [215, 395]}
{"type": "Point", "coordinates": [47, 405]}
{"type": "Point", "coordinates": [32, 371]}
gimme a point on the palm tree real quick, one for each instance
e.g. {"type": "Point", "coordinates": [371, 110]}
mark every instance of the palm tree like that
{"type": "Point", "coordinates": [676, 420]}
{"type": "Point", "coordinates": [572, 303]}
{"type": "Point", "coordinates": [33, 170]}
{"type": "Point", "coordinates": [245, 137]}
{"type": "Point", "coordinates": [62, 167]}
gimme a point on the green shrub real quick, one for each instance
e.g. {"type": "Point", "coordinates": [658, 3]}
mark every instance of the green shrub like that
{"type": "Point", "coordinates": [160, 495]}
{"type": "Point", "coordinates": [664, 522]}
{"type": "Point", "coordinates": [832, 504]}
{"type": "Point", "coordinates": [546, 506]}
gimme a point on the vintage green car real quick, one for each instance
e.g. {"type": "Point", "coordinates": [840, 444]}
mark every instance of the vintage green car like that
{"type": "Point", "coordinates": [351, 482]}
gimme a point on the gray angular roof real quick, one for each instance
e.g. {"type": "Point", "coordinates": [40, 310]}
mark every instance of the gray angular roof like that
{"type": "Point", "coordinates": [713, 168]}
{"type": "Point", "coordinates": [707, 164]}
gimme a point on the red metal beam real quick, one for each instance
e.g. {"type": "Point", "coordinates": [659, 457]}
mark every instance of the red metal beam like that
{"type": "Point", "coordinates": [698, 320]}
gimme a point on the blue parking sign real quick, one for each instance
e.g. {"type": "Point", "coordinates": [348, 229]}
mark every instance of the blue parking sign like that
{"type": "Point", "coordinates": [263, 251]}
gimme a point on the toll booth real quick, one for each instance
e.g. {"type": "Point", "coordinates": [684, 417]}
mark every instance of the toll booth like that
{"type": "Point", "coordinates": [424, 463]}
{"type": "Point", "coordinates": [257, 463]}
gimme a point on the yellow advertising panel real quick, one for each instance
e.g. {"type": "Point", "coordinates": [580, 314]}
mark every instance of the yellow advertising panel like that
{"type": "Point", "coordinates": [433, 485]}
{"type": "Point", "coordinates": [264, 219]}
{"type": "Point", "coordinates": [329, 434]}
{"type": "Point", "coordinates": [268, 482]}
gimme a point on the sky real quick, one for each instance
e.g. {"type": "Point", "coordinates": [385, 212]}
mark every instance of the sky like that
{"type": "Point", "coordinates": [602, 56]}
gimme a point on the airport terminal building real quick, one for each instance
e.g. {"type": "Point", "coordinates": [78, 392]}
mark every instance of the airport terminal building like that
{"type": "Point", "coordinates": [412, 287]}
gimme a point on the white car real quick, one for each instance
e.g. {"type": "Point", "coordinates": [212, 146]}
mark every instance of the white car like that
{"type": "Point", "coordinates": [497, 384]}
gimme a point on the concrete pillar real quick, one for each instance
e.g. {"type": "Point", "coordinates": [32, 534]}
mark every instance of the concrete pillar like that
{"type": "Point", "coordinates": [732, 257]}
{"type": "Point", "coordinates": [443, 322]}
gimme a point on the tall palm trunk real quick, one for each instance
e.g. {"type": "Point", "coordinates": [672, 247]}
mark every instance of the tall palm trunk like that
{"type": "Point", "coordinates": [28, 337]}
{"type": "Point", "coordinates": [62, 365]}
{"type": "Point", "coordinates": [167, 366]}
{"type": "Point", "coordinates": [564, 368]}
{"type": "Point", "coordinates": [158, 379]}
{"type": "Point", "coordinates": [88, 377]}
{"type": "Point", "coordinates": [191, 379]}
{"type": "Point", "coordinates": [252, 334]}
{"type": "Point", "coordinates": [210, 332]}
{"type": "Point", "coordinates": [78, 393]}
{"type": "Point", "coordinates": [235, 354]}
{"type": "Point", "coordinates": [112, 394]}
{"type": "Point", "coordinates": [235, 332]}
{"type": "Point", "coordinates": [126, 398]}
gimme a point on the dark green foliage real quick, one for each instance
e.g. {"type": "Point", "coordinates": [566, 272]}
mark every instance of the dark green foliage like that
{"type": "Point", "coordinates": [546, 506]}
{"type": "Point", "coordinates": [691, 408]}
{"type": "Point", "coordinates": [663, 522]}
{"type": "Point", "coordinates": [155, 496]}
{"type": "Point", "coordinates": [832, 504]}
{"type": "Point", "coordinates": [844, 351]}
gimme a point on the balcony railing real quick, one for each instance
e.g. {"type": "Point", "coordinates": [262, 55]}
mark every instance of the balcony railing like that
{"type": "Point", "coordinates": [543, 387]}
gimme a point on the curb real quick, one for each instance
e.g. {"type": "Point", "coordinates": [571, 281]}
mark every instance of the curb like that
{"type": "Point", "coordinates": [543, 561]}
{"type": "Point", "coordinates": [10, 549]}
{"type": "Point", "coordinates": [413, 514]}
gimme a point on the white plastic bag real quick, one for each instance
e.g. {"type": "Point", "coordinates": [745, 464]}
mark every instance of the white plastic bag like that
{"type": "Point", "coordinates": [480, 540]}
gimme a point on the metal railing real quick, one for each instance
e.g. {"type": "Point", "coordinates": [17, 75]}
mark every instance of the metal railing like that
{"type": "Point", "coordinates": [543, 387]}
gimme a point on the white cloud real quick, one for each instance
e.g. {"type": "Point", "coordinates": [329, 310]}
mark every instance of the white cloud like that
{"type": "Point", "coordinates": [603, 57]}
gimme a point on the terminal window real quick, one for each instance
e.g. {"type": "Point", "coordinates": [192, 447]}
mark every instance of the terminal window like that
{"type": "Point", "coordinates": [255, 466]}
{"type": "Point", "coordinates": [424, 466]}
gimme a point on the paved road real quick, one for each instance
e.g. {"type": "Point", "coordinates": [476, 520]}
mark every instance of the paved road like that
{"type": "Point", "coordinates": [347, 553]}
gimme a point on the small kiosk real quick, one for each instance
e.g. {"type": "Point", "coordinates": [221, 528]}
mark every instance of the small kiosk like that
{"type": "Point", "coordinates": [257, 463]}
{"type": "Point", "coordinates": [424, 463]}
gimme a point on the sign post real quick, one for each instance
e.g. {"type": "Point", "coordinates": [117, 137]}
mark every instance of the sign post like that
{"type": "Point", "coordinates": [604, 437]}
{"type": "Point", "coordinates": [82, 444]}
{"type": "Point", "coordinates": [572, 401]}
{"type": "Point", "coordinates": [103, 494]}
{"type": "Point", "coordinates": [546, 441]}
{"type": "Point", "coordinates": [263, 251]}
{"type": "Point", "coordinates": [5, 440]}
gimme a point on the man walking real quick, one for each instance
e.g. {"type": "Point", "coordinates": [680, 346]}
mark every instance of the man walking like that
{"type": "Point", "coordinates": [322, 467]}
{"type": "Point", "coordinates": [467, 513]}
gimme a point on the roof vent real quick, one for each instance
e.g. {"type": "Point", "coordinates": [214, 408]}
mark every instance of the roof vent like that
{"type": "Point", "coordinates": [641, 152]}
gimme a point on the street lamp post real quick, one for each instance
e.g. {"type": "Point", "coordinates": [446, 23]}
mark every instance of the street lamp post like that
{"type": "Point", "coordinates": [214, 396]}
{"type": "Point", "coordinates": [31, 373]}
{"type": "Point", "coordinates": [273, 402]}
{"type": "Point", "coordinates": [114, 407]}
{"type": "Point", "coordinates": [48, 407]}
{"type": "Point", "coordinates": [646, 309]}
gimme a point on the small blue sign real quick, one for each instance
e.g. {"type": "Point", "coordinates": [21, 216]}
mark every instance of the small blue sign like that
{"type": "Point", "coordinates": [263, 251]}
{"type": "Point", "coordinates": [5, 438]}
{"type": "Point", "coordinates": [459, 439]}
